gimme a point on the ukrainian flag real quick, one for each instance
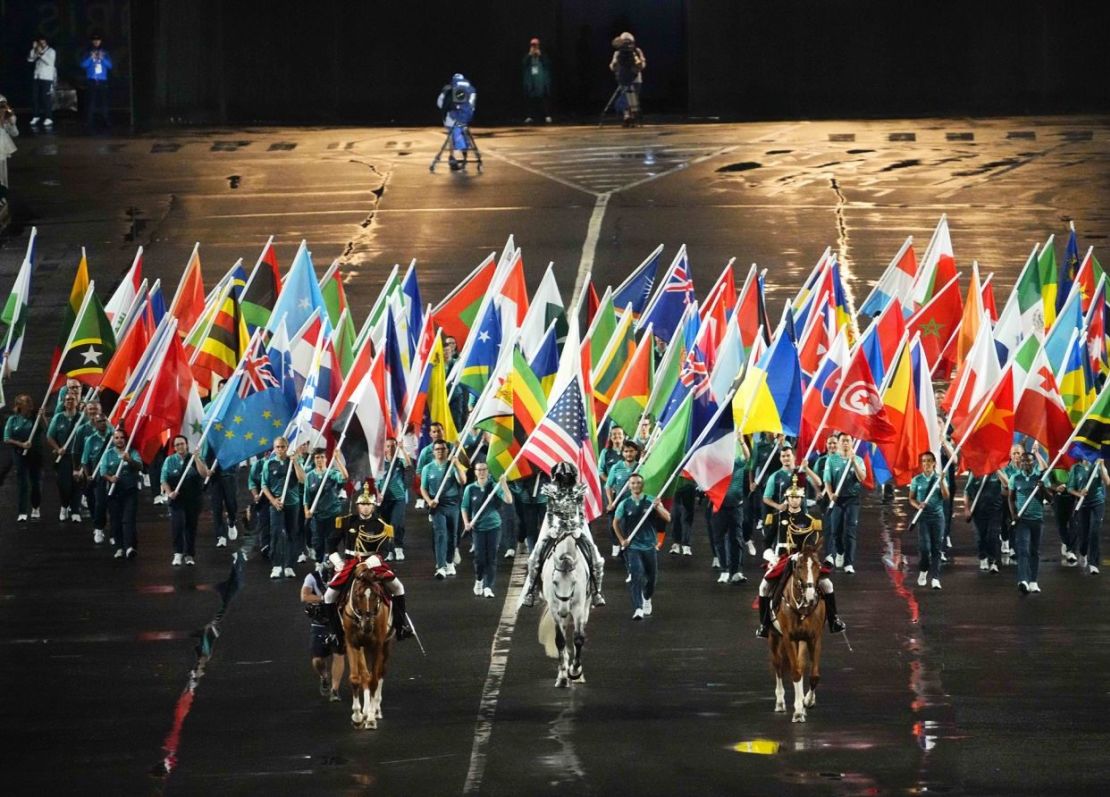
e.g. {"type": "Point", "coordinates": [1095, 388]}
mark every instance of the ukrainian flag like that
{"type": "Point", "coordinates": [769, 398]}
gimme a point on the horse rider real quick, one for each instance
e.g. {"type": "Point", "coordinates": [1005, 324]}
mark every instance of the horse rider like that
{"type": "Point", "coordinates": [564, 515]}
{"type": "Point", "coordinates": [795, 528]}
{"type": "Point", "coordinates": [365, 533]}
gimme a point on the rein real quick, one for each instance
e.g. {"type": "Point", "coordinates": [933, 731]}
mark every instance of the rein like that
{"type": "Point", "coordinates": [798, 604]}
{"type": "Point", "coordinates": [352, 605]}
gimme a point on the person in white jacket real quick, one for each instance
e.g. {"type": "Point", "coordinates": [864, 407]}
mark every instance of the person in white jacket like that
{"type": "Point", "coordinates": [44, 57]}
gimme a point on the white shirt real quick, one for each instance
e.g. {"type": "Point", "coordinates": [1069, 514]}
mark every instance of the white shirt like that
{"type": "Point", "coordinates": [44, 64]}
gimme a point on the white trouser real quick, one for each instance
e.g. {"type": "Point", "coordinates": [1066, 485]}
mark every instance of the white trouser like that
{"type": "Point", "coordinates": [393, 586]}
{"type": "Point", "coordinates": [825, 585]}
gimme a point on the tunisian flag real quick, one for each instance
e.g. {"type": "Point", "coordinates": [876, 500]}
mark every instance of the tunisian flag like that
{"type": "Point", "coordinates": [857, 407]}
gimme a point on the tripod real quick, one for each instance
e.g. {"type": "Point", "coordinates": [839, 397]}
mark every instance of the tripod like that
{"type": "Point", "coordinates": [448, 141]}
{"type": "Point", "coordinates": [631, 103]}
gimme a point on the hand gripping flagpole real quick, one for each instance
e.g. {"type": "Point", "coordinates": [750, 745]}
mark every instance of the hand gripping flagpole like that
{"type": "Point", "coordinates": [1087, 488]}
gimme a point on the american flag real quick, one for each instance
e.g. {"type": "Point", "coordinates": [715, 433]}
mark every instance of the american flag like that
{"type": "Point", "coordinates": [563, 436]}
{"type": "Point", "coordinates": [258, 375]}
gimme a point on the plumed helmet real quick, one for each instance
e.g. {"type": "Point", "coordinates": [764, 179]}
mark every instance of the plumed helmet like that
{"type": "Point", "coordinates": [795, 489]}
{"type": "Point", "coordinates": [366, 497]}
{"type": "Point", "coordinates": [565, 474]}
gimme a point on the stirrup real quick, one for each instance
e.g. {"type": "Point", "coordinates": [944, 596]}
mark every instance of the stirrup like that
{"type": "Point", "coordinates": [598, 599]}
{"type": "Point", "coordinates": [836, 625]}
{"type": "Point", "coordinates": [763, 631]}
{"type": "Point", "coordinates": [403, 632]}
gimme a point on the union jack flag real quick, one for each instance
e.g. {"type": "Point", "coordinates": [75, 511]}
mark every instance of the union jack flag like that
{"type": "Point", "coordinates": [258, 375]}
{"type": "Point", "coordinates": [694, 374]}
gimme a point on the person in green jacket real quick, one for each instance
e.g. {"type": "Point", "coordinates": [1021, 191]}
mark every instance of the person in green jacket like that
{"type": "Point", "coordinates": [536, 73]}
{"type": "Point", "coordinates": [485, 524]}
{"type": "Point", "coordinates": [27, 454]}
{"type": "Point", "coordinates": [62, 425]}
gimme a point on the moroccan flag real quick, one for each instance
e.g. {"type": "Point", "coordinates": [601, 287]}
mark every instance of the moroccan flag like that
{"type": "Point", "coordinates": [215, 350]}
{"type": "Point", "coordinates": [90, 345]}
{"type": "Point", "coordinates": [986, 447]}
{"type": "Point", "coordinates": [189, 302]}
{"type": "Point", "coordinates": [1092, 437]}
{"type": "Point", "coordinates": [936, 322]}
{"type": "Point", "coordinates": [856, 406]}
{"type": "Point", "coordinates": [262, 289]}
{"type": "Point", "coordinates": [455, 315]}
{"type": "Point", "coordinates": [73, 307]}
{"type": "Point", "coordinates": [631, 396]}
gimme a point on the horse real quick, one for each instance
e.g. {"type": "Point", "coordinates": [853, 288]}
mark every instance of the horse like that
{"type": "Point", "coordinates": [368, 627]}
{"type": "Point", "coordinates": [566, 590]}
{"type": "Point", "coordinates": [796, 634]}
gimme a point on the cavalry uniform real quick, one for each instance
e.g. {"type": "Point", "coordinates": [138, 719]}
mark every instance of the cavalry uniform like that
{"type": "Point", "coordinates": [794, 530]}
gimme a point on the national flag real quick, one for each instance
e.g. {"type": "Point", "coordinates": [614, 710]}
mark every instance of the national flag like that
{"type": "Point", "coordinates": [938, 266]}
{"type": "Point", "coordinates": [262, 289]}
{"type": "Point", "coordinates": [635, 291]}
{"type": "Point", "coordinates": [1076, 381]}
{"type": "Point", "coordinates": [769, 398]}
{"type": "Point", "coordinates": [667, 375]}
{"type": "Point", "coordinates": [512, 297]}
{"type": "Point", "coordinates": [711, 462]}
{"type": "Point", "coordinates": [14, 315]}
{"type": "Point", "coordinates": [1068, 321]}
{"type": "Point", "coordinates": [436, 392]}
{"type": "Point", "coordinates": [237, 279]}
{"type": "Point", "coordinates": [395, 388]}
{"type": "Point", "coordinates": [614, 361]}
{"type": "Point", "coordinates": [819, 392]}
{"type": "Point", "coordinates": [1069, 270]}
{"type": "Point", "coordinates": [90, 345]}
{"type": "Point", "coordinates": [189, 303]}
{"type": "Point", "coordinates": [333, 293]}
{"type": "Point", "coordinates": [1090, 272]}
{"type": "Point", "coordinates": [129, 353]}
{"type": "Point", "coordinates": [592, 303]}
{"type": "Point", "coordinates": [343, 339]}
{"type": "Point", "coordinates": [545, 362]}
{"type": "Point", "coordinates": [217, 348]}
{"type": "Point", "coordinates": [857, 407]}
{"type": "Point", "coordinates": [478, 360]}
{"type": "Point", "coordinates": [937, 321]}
{"type": "Point", "coordinates": [369, 405]}
{"type": "Point", "coordinates": [666, 308]}
{"type": "Point", "coordinates": [545, 309]}
{"type": "Point", "coordinates": [987, 295]}
{"type": "Point", "coordinates": [751, 312]}
{"type": "Point", "coordinates": [977, 378]}
{"type": "Point", "coordinates": [300, 294]}
{"type": "Point", "coordinates": [730, 361]}
{"type": "Point", "coordinates": [601, 329]}
{"type": "Point", "coordinates": [192, 424]}
{"type": "Point", "coordinates": [163, 401]}
{"type": "Point", "coordinates": [456, 313]}
{"type": "Point", "coordinates": [1092, 435]}
{"type": "Point", "coordinates": [691, 373]}
{"type": "Point", "coordinates": [629, 400]}
{"type": "Point", "coordinates": [986, 447]}
{"type": "Point", "coordinates": [1095, 324]}
{"type": "Point", "coordinates": [973, 317]}
{"type": "Point", "coordinates": [1048, 276]}
{"type": "Point", "coordinates": [126, 291]}
{"type": "Point", "coordinates": [139, 373]}
{"type": "Point", "coordinates": [77, 295]}
{"type": "Point", "coordinates": [1039, 411]}
{"type": "Point", "coordinates": [1032, 286]}
{"type": "Point", "coordinates": [896, 281]}
{"type": "Point", "coordinates": [410, 289]}
{"type": "Point", "coordinates": [668, 452]}
{"type": "Point", "coordinates": [880, 341]}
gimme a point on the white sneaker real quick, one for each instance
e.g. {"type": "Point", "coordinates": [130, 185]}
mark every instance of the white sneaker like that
{"type": "Point", "coordinates": [850, 569]}
{"type": "Point", "coordinates": [388, 557]}
{"type": "Point", "coordinates": [1071, 560]}
{"type": "Point", "coordinates": [399, 555]}
{"type": "Point", "coordinates": [457, 560]}
{"type": "Point", "coordinates": [737, 578]}
{"type": "Point", "coordinates": [159, 499]}
{"type": "Point", "coordinates": [716, 563]}
{"type": "Point", "coordinates": [638, 614]}
{"type": "Point", "coordinates": [34, 121]}
{"type": "Point", "coordinates": [62, 514]}
{"type": "Point", "coordinates": [1023, 586]}
{"type": "Point", "coordinates": [947, 542]}
{"type": "Point", "coordinates": [628, 579]}
{"type": "Point", "coordinates": [1093, 570]}
{"type": "Point", "coordinates": [49, 123]}
{"type": "Point", "coordinates": [98, 536]}
{"type": "Point", "coordinates": [487, 593]}
{"type": "Point", "coordinates": [687, 550]}
{"type": "Point", "coordinates": [440, 574]}
{"type": "Point", "coordinates": [723, 578]}
{"type": "Point", "coordinates": [112, 541]}
{"type": "Point", "coordinates": [290, 572]}
{"type": "Point", "coordinates": [118, 554]}
{"type": "Point", "coordinates": [190, 561]}
{"type": "Point", "coordinates": [994, 567]}
{"type": "Point", "coordinates": [615, 552]}
{"type": "Point", "coordinates": [922, 578]}
{"type": "Point", "coordinates": [1063, 549]}
{"type": "Point", "coordinates": [1034, 586]}
{"type": "Point", "coordinates": [751, 549]}
{"type": "Point", "coordinates": [984, 564]}
{"type": "Point", "coordinates": [676, 548]}
{"type": "Point", "coordinates": [300, 559]}
{"type": "Point", "coordinates": [478, 587]}
{"type": "Point", "coordinates": [275, 572]}
{"type": "Point", "coordinates": [178, 559]}
{"type": "Point", "coordinates": [451, 570]}
{"type": "Point", "coordinates": [232, 532]}
{"type": "Point", "coordinates": [75, 517]}
{"type": "Point", "coordinates": [221, 542]}
{"type": "Point", "coordinates": [312, 554]}
{"type": "Point", "coordinates": [936, 583]}
{"type": "Point", "coordinates": [839, 560]}
{"type": "Point", "coordinates": [510, 553]}
{"type": "Point", "coordinates": [647, 607]}
{"type": "Point", "coordinates": [132, 553]}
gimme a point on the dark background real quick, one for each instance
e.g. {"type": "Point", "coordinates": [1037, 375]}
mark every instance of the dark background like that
{"type": "Point", "coordinates": [371, 62]}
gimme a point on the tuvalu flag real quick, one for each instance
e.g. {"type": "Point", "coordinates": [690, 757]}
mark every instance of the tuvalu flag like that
{"type": "Point", "coordinates": [90, 344]}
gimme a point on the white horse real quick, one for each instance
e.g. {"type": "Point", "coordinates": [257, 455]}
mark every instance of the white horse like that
{"type": "Point", "coordinates": [566, 589]}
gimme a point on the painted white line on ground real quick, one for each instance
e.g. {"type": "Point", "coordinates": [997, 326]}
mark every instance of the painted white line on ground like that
{"type": "Point", "coordinates": [498, 662]}
{"type": "Point", "coordinates": [589, 247]}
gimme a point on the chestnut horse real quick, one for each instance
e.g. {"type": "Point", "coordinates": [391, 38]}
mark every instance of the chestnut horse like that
{"type": "Point", "coordinates": [796, 633]}
{"type": "Point", "coordinates": [368, 626]}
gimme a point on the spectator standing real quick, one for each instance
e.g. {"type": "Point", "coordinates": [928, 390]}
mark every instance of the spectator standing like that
{"type": "Point", "coordinates": [536, 73]}
{"type": "Point", "coordinates": [97, 64]}
{"type": "Point", "coordinates": [45, 58]}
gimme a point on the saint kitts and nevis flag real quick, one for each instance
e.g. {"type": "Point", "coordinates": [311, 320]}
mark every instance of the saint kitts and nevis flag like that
{"type": "Point", "coordinates": [73, 307]}
{"type": "Point", "coordinates": [89, 345]}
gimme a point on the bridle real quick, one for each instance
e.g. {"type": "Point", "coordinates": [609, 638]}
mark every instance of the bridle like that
{"type": "Point", "coordinates": [798, 586]}
{"type": "Point", "coordinates": [353, 600]}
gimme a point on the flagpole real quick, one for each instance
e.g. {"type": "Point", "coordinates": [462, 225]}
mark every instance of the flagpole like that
{"type": "Point", "coordinates": [1087, 487]}
{"type": "Point", "coordinates": [331, 462]}
{"type": "Point", "coordinates": [975, 501]}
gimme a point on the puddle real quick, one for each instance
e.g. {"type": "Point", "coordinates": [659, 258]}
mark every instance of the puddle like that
{"type": "Point", "coordinates": [740, 167]}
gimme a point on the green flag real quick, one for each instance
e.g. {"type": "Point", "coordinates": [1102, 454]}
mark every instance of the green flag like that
{"type": "Point", "coordinates": [91, 344]}
{"type": "Point", "coordinates": [668, 451]}
{"type": "Point", "coordinates": [605, 324]}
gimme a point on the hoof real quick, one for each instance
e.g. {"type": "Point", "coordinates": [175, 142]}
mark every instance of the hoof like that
{"type": "Point", "coordinates": [810, 700]}
{"type": "Point", "coordinates": [370, 724]}
{"type": "Point", "coordinates": [562, 682]}
{"type": "Point", "coordinates": [799, 716]}
{"type": "Point", "coordinates": [356, 719]}
{"type": "Point", "coordinates": [575, 673]}
{"type": "Point", "coordinates": [780, 708]}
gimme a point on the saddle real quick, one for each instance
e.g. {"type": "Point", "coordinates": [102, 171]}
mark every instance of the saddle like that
{"type": "Point", "coordinates": [549, 548]}
{"type": "Point", "coordinates": [780, 587]}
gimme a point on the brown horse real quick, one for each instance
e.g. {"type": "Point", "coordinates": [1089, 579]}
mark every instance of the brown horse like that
{"type": "Point", "coordinates": [796, 634]}
{"type": "Point", "coordinates": [368, 626]}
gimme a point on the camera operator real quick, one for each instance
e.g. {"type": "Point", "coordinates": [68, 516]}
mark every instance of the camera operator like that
{"type": "Point", "coordinates": [97, 64]}
{"type": "Point", "coordinates": [458, 98]}
{"type": "Point", "coordinates": [627, 65]}
{"type": "Point", "coordinates": [44, 58]}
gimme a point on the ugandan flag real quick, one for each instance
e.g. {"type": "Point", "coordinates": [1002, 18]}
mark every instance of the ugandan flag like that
{"type": "Point", "coordinates": [90, 344]}
{"type": "Point", "coordinates": [216, 349]}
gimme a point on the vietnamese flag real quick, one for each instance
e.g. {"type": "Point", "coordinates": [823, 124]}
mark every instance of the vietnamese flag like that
{"type": "Point", "coordinates": [986, 448]}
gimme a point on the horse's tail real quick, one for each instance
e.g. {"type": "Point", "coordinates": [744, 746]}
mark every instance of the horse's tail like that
{"type": "Point", "coordinates": [546, 634]}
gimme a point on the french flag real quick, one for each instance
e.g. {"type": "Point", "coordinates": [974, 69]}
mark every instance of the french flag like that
{"type": "Point", "coordinates": [710, 464]}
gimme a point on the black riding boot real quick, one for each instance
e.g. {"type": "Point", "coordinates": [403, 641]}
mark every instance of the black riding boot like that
{"type": "Point", "coordinates": [836, 625]}
{"type": "Point", "coordinates": [401, 625]}
{"type": "Point", "coordinates": [764, 617]}
{"type": "Point", "coordinates": [335, 624]}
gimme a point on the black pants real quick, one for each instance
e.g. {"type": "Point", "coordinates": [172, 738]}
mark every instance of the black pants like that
{"type": "Point", "coordinates": [121, 509]}
{"type": "Point", "coordinates": [184, 514]}
{"type": "Point", "coordinates": [98, 103]}
{"type": "Point", "coordinates": [259, 526]}
{"type": "Point", "coordinates": [539, 108]}
{"type": "Point", "coordinates": [725, 530]}
{"type": "Point", "coordinates": [530, 517]}
{"type": "Point", "coordinates": [682, 515]}
{"type": "Point", "coordinates": [393, 513]}
{"type": "Point", "coordinates": [42, 99]}
{"type": "Point", "coordinates": [222, 498]}
{"type": "Point", "coordinates": [69, 491]}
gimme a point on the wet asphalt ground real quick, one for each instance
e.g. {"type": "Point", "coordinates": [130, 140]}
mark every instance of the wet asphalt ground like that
{"type": "Point", "coordinates": [970, 690]}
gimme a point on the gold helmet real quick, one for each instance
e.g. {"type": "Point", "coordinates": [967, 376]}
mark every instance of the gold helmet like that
{"type": "Point", "coordinates": [794, 489]}
{"type": "Point", "coordinates": [366, 497]}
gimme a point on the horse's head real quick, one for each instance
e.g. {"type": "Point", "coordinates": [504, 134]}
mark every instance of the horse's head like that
{"type": "Point", "coordinates": [363, 597]}
{"type": "Point", "coordinates": [806, 573]}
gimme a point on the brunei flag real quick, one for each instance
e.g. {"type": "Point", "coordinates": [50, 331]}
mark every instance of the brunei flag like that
{"type": "Point", "coordinates": [216, 348]}
{"type": "Point", "coordinates": [90, 344]}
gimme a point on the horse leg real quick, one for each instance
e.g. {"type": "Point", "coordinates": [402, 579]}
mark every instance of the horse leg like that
{"type": "Point", "coordinates": [561, 679]}
{"type": "Point", "coordinates": [797, 669]}
{"type": "Point", "coordinates": [814, 671]}
{"type": "Point", "coordinates": [355, 665]}
{"type": "Point", "coordinates": [576, 664]}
